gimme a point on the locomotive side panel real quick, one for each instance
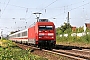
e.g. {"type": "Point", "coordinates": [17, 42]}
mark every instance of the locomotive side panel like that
{"type": "Point", "coordinates": [36, 33]}
{"type": "Point", "coordinates": [31, 35]}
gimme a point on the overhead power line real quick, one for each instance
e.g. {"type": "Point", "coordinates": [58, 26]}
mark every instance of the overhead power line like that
{"type": "Point", "coordinates": [73, 9]}
{"type": "Point", "coordinates": [18, 6]}
{"type": "Point", "coordinates": [5, 7]}
{"type": "Point", "coordinates": [80, 6]}
{"type": "Point", "coordinates": [14, 5]}
{"type": "Point", "coordinates": [48, 5]}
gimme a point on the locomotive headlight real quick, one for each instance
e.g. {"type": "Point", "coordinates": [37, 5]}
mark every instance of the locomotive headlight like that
{"type": "Point", "coordinates": [41, 34]}
{"type": "Point", "coordinates": [40, 37]}
{"type": "Point", "coordinates": [40, 31]}
{"type": "Point", "coordinates": [52, 37]}
{"type": "Point", "coordinates": [50, 34]}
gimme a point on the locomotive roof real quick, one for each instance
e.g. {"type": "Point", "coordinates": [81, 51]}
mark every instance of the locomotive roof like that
{"type": "Point", "coordinates": [45, 23]}
{"type": "Point", "coordinates": [43, 20]}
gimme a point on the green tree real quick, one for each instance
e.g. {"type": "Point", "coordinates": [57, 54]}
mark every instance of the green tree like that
{"type": "Point", "coordinates": [80, 29]}
{"type": "Point", "coordinates": [65, 27]}
{"type": "Point", "coordinates": [58, 31]}
{"type": "Point", "coordinates": [87, 29]}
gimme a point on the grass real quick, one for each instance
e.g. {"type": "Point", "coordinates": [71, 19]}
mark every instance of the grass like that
{"type": "Point", "coordinates": [76, 41]}
{"type": "Point", "coordinates": [9, 51]}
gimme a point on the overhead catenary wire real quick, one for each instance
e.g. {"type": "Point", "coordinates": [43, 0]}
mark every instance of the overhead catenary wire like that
{"type": "Point", "coordinates": [19, 6]}
{"type": "Point", "coordinates": [42, 9]}
{"type": "Point", "coordinates": [27, 8]}
{"type": "Point", "coordinates": [48, 5]}
{"type": "Point", "coordinates": [65, 7]}
{"type": "Point", "coordinates": [5, 8]}
{"type": "Point", "coordinates": [72, 9]}
{"type": "Point", "coordinates": [36, 8]}
{"type": "Point", "coordinates": [26, 13]}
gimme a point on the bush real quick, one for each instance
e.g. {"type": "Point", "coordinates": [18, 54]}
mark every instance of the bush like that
{"type": "Point", "coordinates": [83, 39]}
{"type": "Point", "coordinates": [9, 51]}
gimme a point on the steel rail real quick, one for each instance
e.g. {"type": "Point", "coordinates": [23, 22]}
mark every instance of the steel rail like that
{"type": "Point", "coordinates": [58, 52]}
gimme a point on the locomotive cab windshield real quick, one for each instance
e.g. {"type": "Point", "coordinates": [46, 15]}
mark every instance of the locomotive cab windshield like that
{"type": "Point", "coordinates": [45, 27]}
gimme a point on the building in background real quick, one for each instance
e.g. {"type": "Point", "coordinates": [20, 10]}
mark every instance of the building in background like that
{"type": "Point", "coordinates": [87, 25]}
{"type": "Point", "coordinates": [73, 28]}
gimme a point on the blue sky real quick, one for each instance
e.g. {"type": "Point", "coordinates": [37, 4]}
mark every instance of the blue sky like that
{"type": "Point", "coordinates": [16, 14]}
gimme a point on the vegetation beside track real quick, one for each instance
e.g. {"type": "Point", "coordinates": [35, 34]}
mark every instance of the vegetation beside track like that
{"type": "Point", "coordinates": [10, 51]}
{"type": "Point", "coordinates": [83, 41]}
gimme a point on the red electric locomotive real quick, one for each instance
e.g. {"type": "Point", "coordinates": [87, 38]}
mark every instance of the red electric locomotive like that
{"type": "Point", "coordinates": [42, 34]}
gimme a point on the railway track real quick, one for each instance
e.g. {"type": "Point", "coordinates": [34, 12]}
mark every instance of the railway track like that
{"type": "Point", "coordinates": [76, 54]}
{"type": "Point", "coordinates": [84, 50]}
{"type": "Point", "coordinates": [73, 54]}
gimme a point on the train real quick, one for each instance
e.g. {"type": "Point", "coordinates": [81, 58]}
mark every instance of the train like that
{"type": "Point", "coordinates": [41, 34]}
